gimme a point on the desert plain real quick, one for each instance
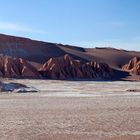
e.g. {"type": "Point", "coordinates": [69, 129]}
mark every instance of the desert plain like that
{"type": "Point", "coordinates": [71, 110]}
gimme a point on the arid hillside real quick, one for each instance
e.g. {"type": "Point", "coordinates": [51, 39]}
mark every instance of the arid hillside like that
{"type": "Point", "coordinates": [37, 53]}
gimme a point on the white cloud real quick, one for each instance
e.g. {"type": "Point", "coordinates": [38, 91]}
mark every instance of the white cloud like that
{"type": "Point", "coordinates": [5, 26]}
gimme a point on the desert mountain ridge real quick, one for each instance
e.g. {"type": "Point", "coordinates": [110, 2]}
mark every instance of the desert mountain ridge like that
{"type": "Point", "coordinates": [43, 59]}
{"type": "Point", "coordinates": [67, 68]}
{"type": "Point", "coordinates": [133, 66]}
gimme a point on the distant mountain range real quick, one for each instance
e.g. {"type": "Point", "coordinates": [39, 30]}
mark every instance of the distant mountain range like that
{"type": "Point", "coordinates": [26, 58]}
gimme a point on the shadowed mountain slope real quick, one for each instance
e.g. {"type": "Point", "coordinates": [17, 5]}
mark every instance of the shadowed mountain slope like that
{"type": "Point", "coordinates": [36, 53]}
{"type": "Point", "coordinates": [40, 52]}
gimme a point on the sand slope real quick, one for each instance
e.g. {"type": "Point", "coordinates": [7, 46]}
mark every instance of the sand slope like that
{"type": "Point", "coordinates": [38, 52]}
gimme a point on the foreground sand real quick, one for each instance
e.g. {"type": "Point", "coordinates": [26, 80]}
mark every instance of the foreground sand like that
{"type": "Point", "coordinates": [71, 111]}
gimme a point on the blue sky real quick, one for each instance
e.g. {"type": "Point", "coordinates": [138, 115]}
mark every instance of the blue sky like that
{"type": "Point", "coordinates": [88, 23]}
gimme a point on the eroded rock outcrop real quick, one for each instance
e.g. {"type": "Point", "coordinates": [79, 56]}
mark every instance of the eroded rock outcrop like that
{"type": "Point", "coordinates": [68, 68]}
{"type": "Point", "coordinates": [133, 66]}
{"type": "Point", "coordinates": [17, 68]}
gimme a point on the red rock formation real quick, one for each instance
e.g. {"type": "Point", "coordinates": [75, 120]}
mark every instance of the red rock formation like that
{"type": "Point", "coordinates": [133, 66]}
{"type": "Point", "coordinates": [67, 68]}
{"type": "Point", "coordinates": [17, 68]}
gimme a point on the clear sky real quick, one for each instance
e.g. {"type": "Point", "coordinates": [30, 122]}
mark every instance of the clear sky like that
{"type": "Point", "coordinates": [88, 23]}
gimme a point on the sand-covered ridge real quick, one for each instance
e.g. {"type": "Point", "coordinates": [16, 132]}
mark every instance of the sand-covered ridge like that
{"type": "Point", "coordinates": [64, 110]}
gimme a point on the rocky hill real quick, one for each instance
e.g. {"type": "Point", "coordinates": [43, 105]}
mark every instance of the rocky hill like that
{"type": "Point", "coordinates": [17, 68]}
{"type": "Point", "coordinates": [133, 66]}
{"type": "Point", "coordinates": [68, 68]}
{"type": "Point", "coordinates": [25, 58]}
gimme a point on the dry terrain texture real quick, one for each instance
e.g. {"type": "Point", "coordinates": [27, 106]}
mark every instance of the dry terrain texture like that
{"type": "Point", "coordinates": [71, 111]}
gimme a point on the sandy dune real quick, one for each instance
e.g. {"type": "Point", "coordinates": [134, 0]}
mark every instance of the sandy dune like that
{"type": "Point", "coordinates": [71, 111]}
{"type": "Point", "coordinates": [37, 53]}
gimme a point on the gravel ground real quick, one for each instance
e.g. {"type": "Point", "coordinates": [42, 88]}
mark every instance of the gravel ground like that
{"type": "Point", "coordinates": [64, 110]}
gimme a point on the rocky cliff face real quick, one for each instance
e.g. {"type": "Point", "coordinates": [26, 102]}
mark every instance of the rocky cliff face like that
{"type": "Point", "coordinates": [133, 66]}
{"type": "Point", "coordinates": [68, 68]}
{"type": "Point", "coordinates": [17, 68]}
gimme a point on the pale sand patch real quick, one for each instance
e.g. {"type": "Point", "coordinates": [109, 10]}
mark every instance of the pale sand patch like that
{"type": "Point", "coordinates": [38, 116]}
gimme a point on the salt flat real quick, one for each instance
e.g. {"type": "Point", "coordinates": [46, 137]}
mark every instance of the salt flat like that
{"type": "Point", "coordinates": [67, 110]}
